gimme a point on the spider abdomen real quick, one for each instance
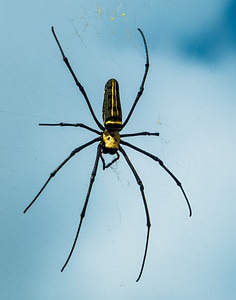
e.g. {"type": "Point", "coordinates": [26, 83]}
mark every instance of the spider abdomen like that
{"type": "Point", "coordinates": [111, 112]}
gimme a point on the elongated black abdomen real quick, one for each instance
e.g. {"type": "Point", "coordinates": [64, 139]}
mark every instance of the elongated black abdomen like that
{"type": "Point", "coordinates": [111, 112]}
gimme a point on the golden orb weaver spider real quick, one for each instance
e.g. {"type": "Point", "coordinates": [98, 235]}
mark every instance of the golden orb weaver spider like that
{"type": "Point", "coordinates": [109, 142]}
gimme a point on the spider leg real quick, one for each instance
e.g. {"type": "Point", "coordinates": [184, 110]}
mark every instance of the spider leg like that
{"type": "Point", "coordinates": [74, 125]}
{"type": "Point", "coordinates": [92, 178]}
{"type": "Point", "coordinates": [145, 206]}
{"type": "Point", "coordinates": [104, 166]}
{"type": "Point", "coordinates": [81, 88]}
{"type": "Point", "coordinates": [141, 89]}
{"type": "Point", "coordinates": [59, 167]}
{"type": "Point", "coordinates": [161, 163]}
{"type": "Point", "coordinates": [140, 133]}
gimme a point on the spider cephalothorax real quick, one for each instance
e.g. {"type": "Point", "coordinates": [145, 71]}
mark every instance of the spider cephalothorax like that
{"type": "Point", "coordinates": [109, 142]}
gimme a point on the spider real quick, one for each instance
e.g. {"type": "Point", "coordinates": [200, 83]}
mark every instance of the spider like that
{"type": "Point", "coordinates": [110, 141]}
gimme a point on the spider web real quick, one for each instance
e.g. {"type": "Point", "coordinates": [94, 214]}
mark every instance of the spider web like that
{"type": "Point", "coordinates": [103, 15]}
{"type": "Point", "coordinates": [190, 90]}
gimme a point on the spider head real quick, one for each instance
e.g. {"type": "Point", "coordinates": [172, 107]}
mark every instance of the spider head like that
{"type": "Point", "coordinates": [111, 140]}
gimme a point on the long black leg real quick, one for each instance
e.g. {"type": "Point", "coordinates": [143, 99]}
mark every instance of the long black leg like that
{"type": "Point", "coordinates": [74, 125]}
{"type": "Point", "coordinates": [145, 206]}
{"type": "Point", "coordinates": [164, 167]}
{"type": "Point", "coordinates": [140, 133]}
{"type": "Point", "coordinates": [59, 167]}
{"type": "Point", "coordinates": [140, 92]}
{"type": "Point", "coordinates": [92, 178]}
{"type": "Point", "coordinates": [81, 88]}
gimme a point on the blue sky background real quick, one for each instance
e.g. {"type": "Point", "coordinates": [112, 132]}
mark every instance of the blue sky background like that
{"type": "Point", "coordinates": [189, 98]}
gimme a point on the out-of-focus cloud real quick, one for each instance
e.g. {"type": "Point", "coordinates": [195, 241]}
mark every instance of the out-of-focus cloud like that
{"type": "Point", "coordinates": [213, 40]}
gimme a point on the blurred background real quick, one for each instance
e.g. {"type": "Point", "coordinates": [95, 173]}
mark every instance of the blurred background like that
{"type": "Point", "coordinates": [189, 98]}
